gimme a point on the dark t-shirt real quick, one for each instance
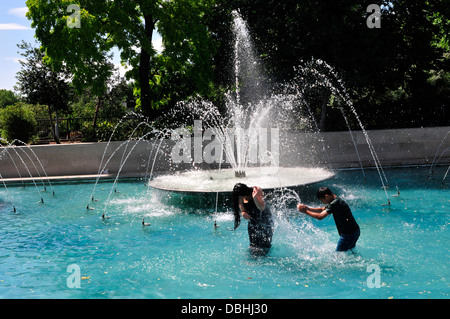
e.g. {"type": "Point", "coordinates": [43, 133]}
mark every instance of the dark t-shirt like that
{"type": "Point", "coordinates": [260, 226]}
{"type": "Point", "coordinates": [343, 217]}
{"type": "Point", "coordinates": [257, 216]}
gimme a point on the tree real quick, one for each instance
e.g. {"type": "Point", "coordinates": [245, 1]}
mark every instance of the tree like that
{"type": "Point", "coordinates": [396, 75]}
{"type": "Point", "coordinates": [17, 122]}
{"type": "Point", "coordinates": [126, 24]}
{"type": "Point", "coordinates": [7, 98]}
{"type": "Point", "coordinates": [40, 84]}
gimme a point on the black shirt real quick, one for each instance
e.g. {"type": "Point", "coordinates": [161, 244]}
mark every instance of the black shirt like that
{"type": "Point", "coordinates": [257, 216]}
{"type": "Point", "coordinates": [343, 217]}
{"type": "Point", "coordinates": [260, 226]}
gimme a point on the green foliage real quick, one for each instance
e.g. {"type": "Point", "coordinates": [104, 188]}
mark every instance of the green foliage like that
{"type": "Point", "coordinates": [439, 15]}
{"type": "Point", "coordinates": [17, 122]}
{"type": "Point", "coordinates": [101, 133]}
{"type": "Point", "coordinates": [7, 98]}
{"type": "Point", "coordinates": [387, 71]}
{"type": "Point", "coordinates": [113, 102]}
{"type": "Point", "coordinates": [83, 51]}
{"type": "Point", "coordinates": [127, 25]}
{"type": "Point", "coordinates": [126, 130]}
{"type": "Point", "coordinates": [40, 83]}
{"type": "Point", "coordinates": [397, 75]}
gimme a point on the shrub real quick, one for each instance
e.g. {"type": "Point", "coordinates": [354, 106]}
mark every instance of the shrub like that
{"type": "Point", "coordinates": [17, 122]}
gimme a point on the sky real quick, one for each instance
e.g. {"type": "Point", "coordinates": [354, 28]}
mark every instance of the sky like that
{"type": "Point", "coordinates": [15, 27]}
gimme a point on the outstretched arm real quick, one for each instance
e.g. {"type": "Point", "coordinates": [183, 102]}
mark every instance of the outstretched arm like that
{"type": "Point", "coordinates": [318, 213]}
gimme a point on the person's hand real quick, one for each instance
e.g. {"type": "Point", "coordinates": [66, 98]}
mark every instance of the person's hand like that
{"type": "Point", "coordinates": [302, 208]}
{"type": "Point", "coordinates": [246, 215]}
{"type": "Point", "coordinates": [256, 191]}
{"type": "Point", "coordinates": [258, 197]}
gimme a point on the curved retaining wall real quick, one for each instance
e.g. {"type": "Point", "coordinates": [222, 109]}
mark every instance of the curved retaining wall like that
{"type": "Point", "coordinates": [335, 149]}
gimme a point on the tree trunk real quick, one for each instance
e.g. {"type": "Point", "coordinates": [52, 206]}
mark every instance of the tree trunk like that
{"type": "Point", "coordinates": [97, 107]}
{"type": "Point", "coordinates": [53, 126]}
{"type": "Point", "coordinates": [144, 70]}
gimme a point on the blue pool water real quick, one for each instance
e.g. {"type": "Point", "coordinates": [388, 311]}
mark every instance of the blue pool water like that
{"type": "Point", "coordinates": [181, 255]}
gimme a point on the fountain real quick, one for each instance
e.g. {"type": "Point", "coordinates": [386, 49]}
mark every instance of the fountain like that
{"type": "Point", "coordinates": [244, 143]}
{"type": "Point", "coordinates": [11, 146]}
{"type": "Point", "coordinates": [250, 140]}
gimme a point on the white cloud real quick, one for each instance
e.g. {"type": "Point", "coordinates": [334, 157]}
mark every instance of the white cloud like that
{"type": "Point", "coordinates": [12, 26]}
{"type": "Point", "coordinates": [15, 59]}
{"type": "Point", "coordinates": [18, 12]}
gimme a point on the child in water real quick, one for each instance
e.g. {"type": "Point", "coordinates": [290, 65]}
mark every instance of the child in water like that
{"type": "Point", "coordinates": [250, 202]}
{"type": "Point", "coordinates": [346, 224]}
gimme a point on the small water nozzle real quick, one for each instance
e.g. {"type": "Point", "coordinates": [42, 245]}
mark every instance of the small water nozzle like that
{"type": "Point", "coordinates": [239, 174]}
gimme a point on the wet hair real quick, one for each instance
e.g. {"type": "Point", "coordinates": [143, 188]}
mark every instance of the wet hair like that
{"type": "Point", "coordinates": [239, 190]}
{"type": "Point", "coordinates": [323, 191]}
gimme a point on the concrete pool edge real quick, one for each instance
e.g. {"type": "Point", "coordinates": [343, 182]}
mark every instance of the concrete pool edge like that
{"type": "Point", "coordinates": [139, 176]}
{"type": "Point", "coordinates": [69, 178]}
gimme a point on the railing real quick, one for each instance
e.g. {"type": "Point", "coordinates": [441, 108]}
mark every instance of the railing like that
{"type": "Point", "coordinates": [69, 129]}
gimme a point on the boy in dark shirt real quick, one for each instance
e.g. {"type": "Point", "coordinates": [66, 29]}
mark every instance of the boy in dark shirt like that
{"type": "Point", "coordinates": [346, 224]}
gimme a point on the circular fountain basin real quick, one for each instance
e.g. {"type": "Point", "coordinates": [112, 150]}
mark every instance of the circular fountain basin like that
{"type": "Point", "coordinates": [223, 181]}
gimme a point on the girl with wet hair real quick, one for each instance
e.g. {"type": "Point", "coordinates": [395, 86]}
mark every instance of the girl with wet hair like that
{"type": "Point", "coordinates": [249, 201]}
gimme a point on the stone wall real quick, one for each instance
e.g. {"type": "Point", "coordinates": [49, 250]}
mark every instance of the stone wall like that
{"type": "Point", "coordinates": [330, 149]}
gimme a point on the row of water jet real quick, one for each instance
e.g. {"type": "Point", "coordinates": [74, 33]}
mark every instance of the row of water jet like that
{"type": "Point", "coordinates": [102, 167]}
{"type": "Point", "coordinates": [317, 74]}
{"type": "Point", "coordinates": [124, 150]}
{"type": "Point", "coordinates": [122, 163]}
{"type": "Point", "coordinates": [6, 155]}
